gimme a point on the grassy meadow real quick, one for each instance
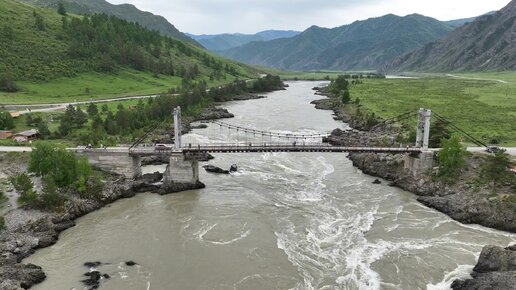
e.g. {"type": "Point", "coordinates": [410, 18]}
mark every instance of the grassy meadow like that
{"type": "Point", "coordinates": [482, 104]}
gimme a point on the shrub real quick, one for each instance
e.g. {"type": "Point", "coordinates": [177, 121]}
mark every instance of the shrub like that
{"type": "Point", "coordinates": [495, 170]}
{"type": "Point", "coordinates": [2, 223]}
{"type": "Point", "coordinates": [6, 121]}
{"type": "Point", "coordinates": [451, 158]}
{"type": "Point", "coordinates": [50, 198]}
{"type": "Point", "coordinates": [7, 84]}
{"type": "Point", "coordinates": [62, 166]}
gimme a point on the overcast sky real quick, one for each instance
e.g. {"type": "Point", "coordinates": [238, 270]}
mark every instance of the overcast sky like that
{"type": "Point", "coordinates": [250, 16]}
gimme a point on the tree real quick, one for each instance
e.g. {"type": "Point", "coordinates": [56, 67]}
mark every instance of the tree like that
{"type": "Point", "coordinates": [25, 188]}
{"type": "Point", "coordinates": [339, 84]}
{"type": "Point", "coordinates": [345, 97]}
{"type": "Point", "coordinates": [44, 132]}
{"type": "Point", "coordinates": [47, 159]}
{"type": "Point", "coordinates": [496, 168]}
{"type": "Point", "coordinates": [92, 110]}
{"type": "Point", "coordinates": [39, 22]}
{"type": "Point", "coordinates": [80, 118]}
{"type": "Point", "coordinates": [7, 84]}
{"type": "Point", "coordinates": [451, 158]}
{"type": "Point", "coordinates": [6, 121]}
{"type": "Point", "coordinates": [438, 132]}
{"type": "Point", "coordinates": [61, 9]}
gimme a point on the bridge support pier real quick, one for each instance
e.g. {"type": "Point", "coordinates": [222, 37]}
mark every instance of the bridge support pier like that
{"type": "Point", "coordinates": [418, 165]}
{"type": "Point", "coordinates": [181, 174]}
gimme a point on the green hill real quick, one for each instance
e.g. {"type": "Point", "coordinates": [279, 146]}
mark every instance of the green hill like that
{"type": "Point", "coordinates": [41, 49]}
{"type": "Point", "coordinates": [123, 11]}
{"type": "Point", "coordinates": [361, 45]}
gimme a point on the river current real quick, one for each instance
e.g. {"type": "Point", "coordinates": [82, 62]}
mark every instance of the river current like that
{"type": "Point", "coordinates": [284, 221]}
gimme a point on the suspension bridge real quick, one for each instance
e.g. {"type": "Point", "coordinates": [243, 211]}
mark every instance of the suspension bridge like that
{"type": "Point", "coordinates": [250, 140]}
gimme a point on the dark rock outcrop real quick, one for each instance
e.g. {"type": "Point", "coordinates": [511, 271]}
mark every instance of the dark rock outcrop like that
{"type": "Point", "coordinates": [458, 201]}
{"type": "Point", "coordinates": [496, 269]}
{"type": "Point", "coordinates": [178, 187]}
{"type": "Point", "coordinates": [214, 113]}
{"type": "Point", "coordinates": [199, 156]}
{"type": "Point", "coordinates": [215, 169]}
{"type": "Point", "coordinates": [247, 97]}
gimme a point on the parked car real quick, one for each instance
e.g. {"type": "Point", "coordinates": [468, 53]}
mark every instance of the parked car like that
{"type": "Point", "coordinates": [494, 149]}
{"type": "Point", "coordinates": [162, 147]}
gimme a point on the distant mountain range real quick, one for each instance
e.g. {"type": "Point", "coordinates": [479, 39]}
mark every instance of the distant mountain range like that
{"type": "Point", "coordinates": [460, 22]}
{"type": "Point", "coordinates": [124, 11]}
{"type": "Point", "coordinates": [358, 46]}
{"type": "Point", "coordinates": [218, 42]}
{"type": "Point", "coordinates": [487, 43]}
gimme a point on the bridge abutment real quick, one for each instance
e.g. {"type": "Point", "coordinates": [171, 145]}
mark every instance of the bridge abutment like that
{"type": "Point", "coordinates": [115, 162]}
{"type": "Point", "coordinates": [421, 164]}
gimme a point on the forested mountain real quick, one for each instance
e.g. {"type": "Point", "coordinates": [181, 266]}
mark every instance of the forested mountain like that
{"type": "Point", "coordinates": [361, 45]}
{"type": "Point", "coordinates": [225, 41]}
{"type": "Point", "coordinates": [39, 44]}
{"type": "Point", "coordinates": [123, 11]}
{"type": "Point", "coordinates": [488, 43]}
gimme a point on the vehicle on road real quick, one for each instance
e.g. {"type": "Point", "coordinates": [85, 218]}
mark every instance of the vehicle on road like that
{"type": "Point", "coordinates": [494, 149]}
{"type": "Point", "coordinates": [162, 147]}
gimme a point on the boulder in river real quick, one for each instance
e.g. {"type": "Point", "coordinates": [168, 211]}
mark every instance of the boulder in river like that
{"type": "Point", "coordinates": [377, 181]}
{"type": "Point", "coordinates": [496, 269]}
{"type": "Point", "coordinates": [215, 169]}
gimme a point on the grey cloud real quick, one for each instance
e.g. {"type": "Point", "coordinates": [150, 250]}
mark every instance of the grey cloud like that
{"type": "Point", "coordinates": [249, 16]}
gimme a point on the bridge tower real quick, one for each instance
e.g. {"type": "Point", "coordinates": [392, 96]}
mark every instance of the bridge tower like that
{"type": "Point", "coordinates": [177, 128]}
{"type": "Point", "coordinates": [418, 165]}
{"type": "Point", "coordinates": [423, 128]}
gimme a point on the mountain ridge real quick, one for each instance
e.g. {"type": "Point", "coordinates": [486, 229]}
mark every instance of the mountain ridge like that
{"type": "Point", "coordinates": [127, 12]}
{"type": "Point", "coordinates": [363, 44]}
{"type": "Point", "coordinates": [218, 42]}
{"type": "Point", "coordinates": [487, 43]}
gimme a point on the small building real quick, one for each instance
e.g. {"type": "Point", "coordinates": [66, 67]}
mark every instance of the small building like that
{"type": "Point", "coordinates": [4, 134]}
{"type": "Point", "coordinates": [15, 114]}
{"type": "Point", "coordinates": [25, 136]}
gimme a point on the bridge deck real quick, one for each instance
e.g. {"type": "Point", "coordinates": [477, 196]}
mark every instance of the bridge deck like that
{"type": "Point", "coordinates": [215, 148]}
{"type": "Point", "coordinates": [276, 148]}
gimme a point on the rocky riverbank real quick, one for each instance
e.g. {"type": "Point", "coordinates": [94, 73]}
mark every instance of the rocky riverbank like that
{"type": "Point", "coordinates": [28, 230]}
{"type": "Point", "coordinates": [465, 201]}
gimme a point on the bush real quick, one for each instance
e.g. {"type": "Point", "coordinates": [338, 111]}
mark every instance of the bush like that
{"type": "Point", "coordinates": [451, 158]}
{"type": "Point", "coordinates": [50, 198]}
{"type": "Point", "coordinates": [6, 121]}
{"type": "Point", "coordinates": [496, 170]}
{"type": "Point", "coordinates": [62, 166]}
{"type": "Point", "coordinates": [7, 84]}
{"type": "Point", "coordinates": [2, 223]}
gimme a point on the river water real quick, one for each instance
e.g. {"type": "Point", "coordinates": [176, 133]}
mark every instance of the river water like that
{"type": "Point", "coordinates": [284, 221]}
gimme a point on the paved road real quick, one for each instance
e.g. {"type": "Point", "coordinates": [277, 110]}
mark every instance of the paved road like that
{"type": "Point", "coordinates": [34, 108]}
{"type": "Point", "coordinates": [478, 79]}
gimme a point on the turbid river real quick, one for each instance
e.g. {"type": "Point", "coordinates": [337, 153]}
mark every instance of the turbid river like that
{"type": "Point", "coordinates": [284, 221]}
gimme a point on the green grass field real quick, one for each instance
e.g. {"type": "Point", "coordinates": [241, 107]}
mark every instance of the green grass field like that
{"type": "Point", "coordinates": [484, 108]}
{"type": "Point", "coordinates": [90, 86]}
{"type": "Point", "coordinates": [96, 86]}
